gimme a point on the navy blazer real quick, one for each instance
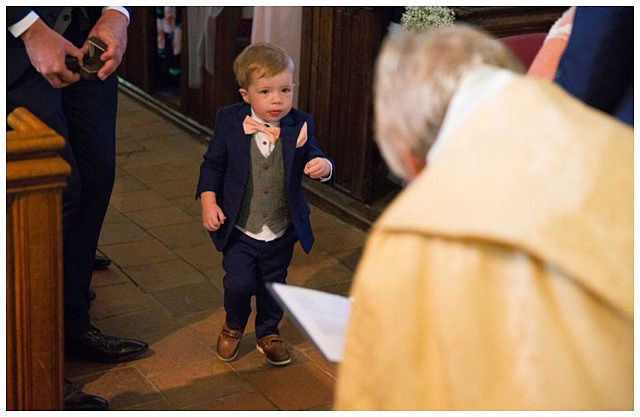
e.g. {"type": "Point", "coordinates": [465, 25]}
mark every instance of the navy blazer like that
{"type": "Point", "coordinates": [225, 168]}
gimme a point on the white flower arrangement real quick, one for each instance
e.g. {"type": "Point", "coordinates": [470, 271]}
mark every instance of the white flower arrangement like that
{"type": "Point", "coordinates": [420, 18]}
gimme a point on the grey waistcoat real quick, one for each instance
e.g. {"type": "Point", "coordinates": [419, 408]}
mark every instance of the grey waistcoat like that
{"type": "Point", "coordinates": [264, 200]}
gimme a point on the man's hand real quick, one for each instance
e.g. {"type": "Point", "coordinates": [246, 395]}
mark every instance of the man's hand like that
{"type": "Point", "coordinates": [47, 51]}
{"type": "Point", "coordinates": [317, 168]}
{"type": "Point", "coordinates": [111, 29]}
{"type": "Point", "coordinates": [212, 215]}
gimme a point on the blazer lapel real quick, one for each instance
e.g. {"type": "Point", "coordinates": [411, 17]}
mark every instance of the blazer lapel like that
{"type": "Point", "coordinates": [242, 142]}
{"type": "Point", "coordinates": [288, 135]}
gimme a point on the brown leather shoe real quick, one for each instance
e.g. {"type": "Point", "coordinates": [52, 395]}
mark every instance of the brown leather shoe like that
{"type": "Point", "coordinates": [273, 348]}
{"type": "Point", "coordinates": [228, 343]}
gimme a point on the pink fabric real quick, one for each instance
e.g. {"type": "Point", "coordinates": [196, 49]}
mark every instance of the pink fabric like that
{"type": "Point", "coordinates": [525, 47]}
{"type": "Point", "coordinates": [302, 137]}
{"type": "Point", "coordinates": [250, 127]}
{"type": "Point", "coordinates": [546, 61]}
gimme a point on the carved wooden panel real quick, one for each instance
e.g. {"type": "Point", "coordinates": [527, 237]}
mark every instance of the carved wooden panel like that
{"type": "Point", "coordinates": [339, 48]}
{"type": "Point", "coordinates": [35, 178]}
{"type": "Point", "coordinates": [510, 20]}
{"type": "Point", "coordinates": [140, 59]}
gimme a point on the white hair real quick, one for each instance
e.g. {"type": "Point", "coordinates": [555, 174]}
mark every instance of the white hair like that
{"type": "Point", "coordinates": [416, 76]}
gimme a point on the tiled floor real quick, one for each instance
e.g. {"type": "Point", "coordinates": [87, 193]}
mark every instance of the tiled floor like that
{"type": "Point", "coordinates": [165, 287]}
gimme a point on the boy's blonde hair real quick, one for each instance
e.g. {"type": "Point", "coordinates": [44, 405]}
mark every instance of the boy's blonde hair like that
{"type": "Point", "coordinates": [416, 77]}
{"type": "Point", "coordinates": [263, 59]}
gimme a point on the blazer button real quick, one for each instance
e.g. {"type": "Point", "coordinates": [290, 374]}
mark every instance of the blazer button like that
{"type": "Point", "coordinates": [66, 17]}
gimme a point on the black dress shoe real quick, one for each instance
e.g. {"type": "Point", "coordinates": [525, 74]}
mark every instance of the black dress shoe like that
{"type": "Point", "coordinates": [92, 295]}
{"type": "Point", "coordinates": [101, 262]}
{"type": "Point", "coordinates": [95, 346]}
{"type": "Point", "coordinates": [76, 400]}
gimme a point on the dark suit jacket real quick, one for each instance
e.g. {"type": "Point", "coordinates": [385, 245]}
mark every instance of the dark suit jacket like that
{"type": "Point", "coordinates": [17, 58]}
{"type": "Point", "coordinates": [226, 167]}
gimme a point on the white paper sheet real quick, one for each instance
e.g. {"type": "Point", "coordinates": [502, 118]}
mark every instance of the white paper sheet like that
{"type": "Point", "coordinates": [322, 316]}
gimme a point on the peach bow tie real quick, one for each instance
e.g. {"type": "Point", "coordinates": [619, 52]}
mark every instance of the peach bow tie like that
{"type": "Point", "coordinates": [251, 126]}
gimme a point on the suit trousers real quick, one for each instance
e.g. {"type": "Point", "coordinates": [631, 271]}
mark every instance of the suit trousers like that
{"type": "Point", "coordinates": [249, 264]}
{"type": "Point", "coordinates": [84, 113]}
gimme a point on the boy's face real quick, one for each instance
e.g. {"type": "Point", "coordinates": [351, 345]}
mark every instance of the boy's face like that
{"type": "Point", "coordinates": [270, 97]}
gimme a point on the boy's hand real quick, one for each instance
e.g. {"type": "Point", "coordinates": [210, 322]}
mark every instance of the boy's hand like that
{"type": "Point", "coordinates": [212, 215]}
{"type": "Point", "coordinates": [317, 168]}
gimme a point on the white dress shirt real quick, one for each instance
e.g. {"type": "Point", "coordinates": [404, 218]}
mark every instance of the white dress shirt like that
{"type": "Point", "coordinates": [25, 23]}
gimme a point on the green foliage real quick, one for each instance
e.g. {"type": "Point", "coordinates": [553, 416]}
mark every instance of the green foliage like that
{"type": "Point", "coordinates": [420, 18]}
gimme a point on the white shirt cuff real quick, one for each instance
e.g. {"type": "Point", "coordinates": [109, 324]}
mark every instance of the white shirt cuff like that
{"type": "Point", "coordinates": [120, 9]}
{"type": "Point", "coordinates": [25, 23]}
{"type": "Point", "coordinates": [325, 179]}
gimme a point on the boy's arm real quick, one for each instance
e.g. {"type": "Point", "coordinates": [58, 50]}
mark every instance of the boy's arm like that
{"type": "Point", "coordinates": [317, 166]}
{"type": "Point", "coordinates": [214, 163]}
{"type": "Point", "coordinates": [212, 215]}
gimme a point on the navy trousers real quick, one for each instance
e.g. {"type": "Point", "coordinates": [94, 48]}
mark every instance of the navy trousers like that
{"type": "Point", "coordinates": [248, 265]}
{"type": "Point", "coordinates": [85, 115]}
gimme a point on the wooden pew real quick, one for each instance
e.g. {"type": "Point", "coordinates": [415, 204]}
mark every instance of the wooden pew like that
{"type": "Point", "coordinates": [36, 175]}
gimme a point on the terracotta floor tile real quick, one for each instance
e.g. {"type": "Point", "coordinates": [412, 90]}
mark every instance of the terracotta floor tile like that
{"type": "Point", "coordinates": [338, 238]}
{"type": "Point", "coordinates": [310, 351]}
{"type": "Point", "coordinates": [321, 274]}
{"type": "Point", "coordinates": [122, 387]}
{"type": "Point", "coordinates": [341, 288]}
{"type": "Point", "coordinates": [179, 235]}
{"type": "Point", "coordinates": [189, 205]}
{"type": "Point", "coordinates": [160, 405]}
{"type": "Point", "coordinates": [179, 167]}
{"type": "Point", "coordinates": [159, 216]}
{"type": "Point", "coordinates": [126, 183]}
{"type": "Point", "coordinates": [202, 256]}
{"type": "Point", "coordinates": [205, 325]}
{"type": "Point", "coordinates": [290, 332]}
{"type": "Point", "coordinates": [250, 361]}
{"type": "Point", "coordinates": [77, 367]}
{"type": "Point", "coordinates": [185, 187]}
{"type": "Point", "coordinates": [296, 387]}
{"type": "Point", "coordinates": [120, 299]}
{"type": "Point", "coordinates": [149, 325]}
{"type": "Point", "coordinates": [349, 258]}
{"type": "Point", "coordinates": [139, 164]}
{"type": "Point", "coordinates": [138, 253]}
{"type": "Point", "coordinates": [122, 233]}
{"type": "Point", "coordinates": [181, 143]}
{"type": "Point", "coordinates": [199, 382]}
{"type": "Point", "coordinates": [173, 351]}
{"type": "Point", "coordinates": [250, 401]}
{"type": "Point", "coordinates": [137, 200]}
{"type": "Point", "coordinates": [109, 276]}
{"type": "Point", "coordinates": [215, 275]}
{"type": "Point", "coordinates": [163, 275]}
{"type": "Point", "coordinates": [128, 145]}
{"type": "Point", "coordinates": [190, 298]}
{"type": "Point", "coordinates": [114, 216]}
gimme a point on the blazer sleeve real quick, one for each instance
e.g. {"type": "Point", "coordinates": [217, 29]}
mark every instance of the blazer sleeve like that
{"type": "Point", "coordinates": [214, 162]}
{"type": "Point", "coordinates": [15, 14]}
{"type": "Point", "coordinates": [313, 150]}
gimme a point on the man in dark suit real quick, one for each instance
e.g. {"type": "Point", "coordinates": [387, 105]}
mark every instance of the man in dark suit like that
{"type": "Point", "coordinates": [83, 111]}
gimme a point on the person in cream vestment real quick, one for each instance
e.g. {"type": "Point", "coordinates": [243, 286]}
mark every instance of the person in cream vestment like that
{"type": "Point", "coordinates": [501, 278]}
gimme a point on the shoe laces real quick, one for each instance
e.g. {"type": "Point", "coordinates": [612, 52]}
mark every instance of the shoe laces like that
{"type": "Point", "coordinates": [272, 339]}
